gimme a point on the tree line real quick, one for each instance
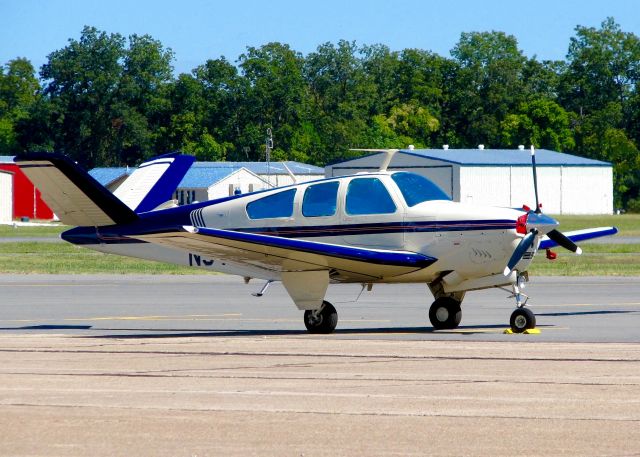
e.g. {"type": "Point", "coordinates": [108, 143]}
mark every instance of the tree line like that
{"type": "Point", "coordinates": [107, 100]}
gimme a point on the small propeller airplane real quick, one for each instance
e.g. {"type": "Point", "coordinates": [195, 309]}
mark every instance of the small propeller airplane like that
{"type": "Point", "coordinates": [368, 228]}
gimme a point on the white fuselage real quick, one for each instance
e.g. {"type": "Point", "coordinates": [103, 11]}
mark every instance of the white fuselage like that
{"type": "Point", "coordinates": [473, 241]}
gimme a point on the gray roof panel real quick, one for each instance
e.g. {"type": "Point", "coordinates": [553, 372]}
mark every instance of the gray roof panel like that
{"type": "Point", "coordinates": [260, 168]}
{"type": "Point", "coordinates": [501, 157]}
{"type": "Point", "coordinates": [106, 175]}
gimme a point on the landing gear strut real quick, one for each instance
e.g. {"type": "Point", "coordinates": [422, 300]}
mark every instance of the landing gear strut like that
{"type": "Point", "coordinates": [445, 313]}
{"type": "Point", "coordinates": [321, 320]}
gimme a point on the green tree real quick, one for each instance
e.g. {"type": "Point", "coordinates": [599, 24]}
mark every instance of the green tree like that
{"type": "Point", "coordinates": [343, 99]}
{"type": "Point", "coordinates": [487, 86]}
{"type": "Point", "coordinates": [600, 85]}
{"type": "Point", "coordinates": [105, 96]}
{"type": "Point", "coordinates": [272, 96]}
{"type": "Point", "coordinates": [603, 67]}
{"type": "Point", "coordinates": [18, 94]}
{"type": "Point", "coordinates": [541, 122]}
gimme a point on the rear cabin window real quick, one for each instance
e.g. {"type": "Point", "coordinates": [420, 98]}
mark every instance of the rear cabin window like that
{"type": "Point", "coordinates": [320, 200]}
{"type": "Point", "coordinates": [368, 196]}
{"type": "Point", "coordinates": [276, 205]}
{"type": "Point", "coordinates": [417, 189]}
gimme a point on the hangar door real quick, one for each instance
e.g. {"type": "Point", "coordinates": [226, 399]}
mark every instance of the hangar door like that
{"type": "Point", "coordinates": [6, 197]}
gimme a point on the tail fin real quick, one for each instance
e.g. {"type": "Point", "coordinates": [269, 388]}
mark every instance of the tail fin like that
{"type": "Point", "coordinates": [154, 182]}
{"type": "Point", "coordinates": [75, 197]}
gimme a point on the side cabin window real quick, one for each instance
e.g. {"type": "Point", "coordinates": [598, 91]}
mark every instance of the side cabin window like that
{"type": "Point", "coordinates": [368, 196]}
{"type": "Point", "coordinates": [417, 189]}
{"type": "Point", "coordinates": [320, 199]}
{"type": "Point", "coordinates": [276, 205]}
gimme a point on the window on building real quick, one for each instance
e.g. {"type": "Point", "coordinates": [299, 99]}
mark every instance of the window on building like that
{"type": "Point", "coordinates": [417, 189]}
{"type": "Point", "coordinates": [276, 205]}
{"type": "Point", "coordinates": [182, 197]}
{"type": "Point", "coordinates": [320, 199]}
{"type": "Point", "coordinates": [368, 196]}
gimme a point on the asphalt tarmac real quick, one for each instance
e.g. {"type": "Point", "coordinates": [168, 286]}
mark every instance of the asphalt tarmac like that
{"type": "Point", "coordinates": [196, 366]}
{"type": "Point", "coordinates": [592, 309]}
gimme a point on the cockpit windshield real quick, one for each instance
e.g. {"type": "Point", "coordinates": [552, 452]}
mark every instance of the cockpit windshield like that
{"type": "Point", "coordinates": [417, 189]}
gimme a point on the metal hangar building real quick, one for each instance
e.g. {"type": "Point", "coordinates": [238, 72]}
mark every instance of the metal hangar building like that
{"type": "Point", "coordinates": [210, 180]}
{"type": "Point", "coordinates": [567, 184]}
{"type": "Point", "coordinates": [19, 199]}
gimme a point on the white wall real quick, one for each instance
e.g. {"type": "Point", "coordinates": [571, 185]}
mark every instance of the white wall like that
{"type": "Point", "coordinates": [6, 197]}
{"type": "Point", "coordinates": [279, 180]}
{"type": "Point", "coordinates": [549, 188]}
{"type": "Point", "coordinates": [587, 190]}
{"type": "Point", "coordinates": [561, 190]}
{"type": "Point", "coordinates": [485, 186]}
{"type": "Point", "coordinates": [241, 179]}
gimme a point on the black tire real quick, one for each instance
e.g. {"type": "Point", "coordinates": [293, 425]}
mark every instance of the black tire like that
{"type": "Point", "coordinates": [323, 322]}
{"type": "Point", "coordinates": [445, 313]}
{"type": "Point", "coordinates": [522, 319]}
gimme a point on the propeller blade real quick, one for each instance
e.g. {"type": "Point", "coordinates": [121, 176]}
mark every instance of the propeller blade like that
{"type": "Point", "coordinates": [525, 243]}
{"type": "Point", "coordinates": [563, 241]}
{"type": "Point", "coordinates": [535, 177]}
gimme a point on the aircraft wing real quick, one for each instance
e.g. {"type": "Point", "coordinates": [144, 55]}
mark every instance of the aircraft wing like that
{"type": "Point", "coordinates": [579, 235]}
{"type": "Point", "coordinates": [344, 263]}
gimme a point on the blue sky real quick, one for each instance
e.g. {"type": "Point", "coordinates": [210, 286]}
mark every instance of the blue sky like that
{"type": "Point", "coordinates": [198, 30]}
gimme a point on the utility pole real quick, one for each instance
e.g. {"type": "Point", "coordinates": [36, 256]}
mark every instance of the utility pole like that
{"type": "Point", "coordinates": [268, 149]}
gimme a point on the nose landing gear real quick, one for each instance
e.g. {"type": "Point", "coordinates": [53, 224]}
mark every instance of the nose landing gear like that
{"type": "Point", "coordinates": [522, 318]}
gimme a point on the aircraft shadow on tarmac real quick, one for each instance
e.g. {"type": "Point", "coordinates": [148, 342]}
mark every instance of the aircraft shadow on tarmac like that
{"type": "Point", "coordinates": [584, 313]}
{"type": "Point", "coordinates": [50, 327]}
{"type": "Point", "coordinates": [142, 333]}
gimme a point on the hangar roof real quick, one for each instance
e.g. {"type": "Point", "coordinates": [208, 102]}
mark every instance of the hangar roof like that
{"type": "Point", "coordinates": [204, 177]}
{"type": "Point", "coordinates": [106, 175]}
{"type": "Point", "coordinates": [260, 168]}
{"type": "Point", "coordinates": [205, 174]}
{"type": "Point", "coordinates": [501, 157]}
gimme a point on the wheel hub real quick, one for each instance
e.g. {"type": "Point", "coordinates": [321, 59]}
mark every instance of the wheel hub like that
{"type": "Point", "coordinates": [442, 314]}
{"type": "Point", "coordinates": [315, 318]}
{"type": "Point", "coordinates": [520, 321]}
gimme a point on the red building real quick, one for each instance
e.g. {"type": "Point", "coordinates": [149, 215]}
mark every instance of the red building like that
{"type": "Point", "coordinates": [27, 201]}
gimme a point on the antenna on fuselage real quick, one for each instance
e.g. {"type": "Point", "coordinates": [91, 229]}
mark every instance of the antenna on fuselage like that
{"type": "Point", "coordinates": [389, 153]}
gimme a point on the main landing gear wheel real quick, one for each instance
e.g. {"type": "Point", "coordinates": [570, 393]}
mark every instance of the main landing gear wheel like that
{"type": "Point", "coordinates": [322, 320]}
{"type": "Point", "coordinates": [522, 319]}
{"type": "Point", "coordinates": [445, 313]}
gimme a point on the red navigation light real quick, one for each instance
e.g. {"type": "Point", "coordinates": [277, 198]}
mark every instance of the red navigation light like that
{"type": "Point", "coordinates": [526, 208]}
{"type": "Point", "coordinates": [521, 224]}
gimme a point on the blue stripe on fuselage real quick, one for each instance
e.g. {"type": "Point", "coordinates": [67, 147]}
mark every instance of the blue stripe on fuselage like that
{"type": "Point", "coordinates": [379, 228]}
{"type": "Point", "coordinates": [122, 234]}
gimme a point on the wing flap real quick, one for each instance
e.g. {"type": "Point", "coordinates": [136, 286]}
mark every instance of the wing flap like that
{"type": "Point", "coordinates": [286, 255]}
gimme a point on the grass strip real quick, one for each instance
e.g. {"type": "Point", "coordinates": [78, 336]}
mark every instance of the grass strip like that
{"type": "Point", "coordinates": [59, 258]}
{"type": "Point", "coordinates": [63, 258]}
